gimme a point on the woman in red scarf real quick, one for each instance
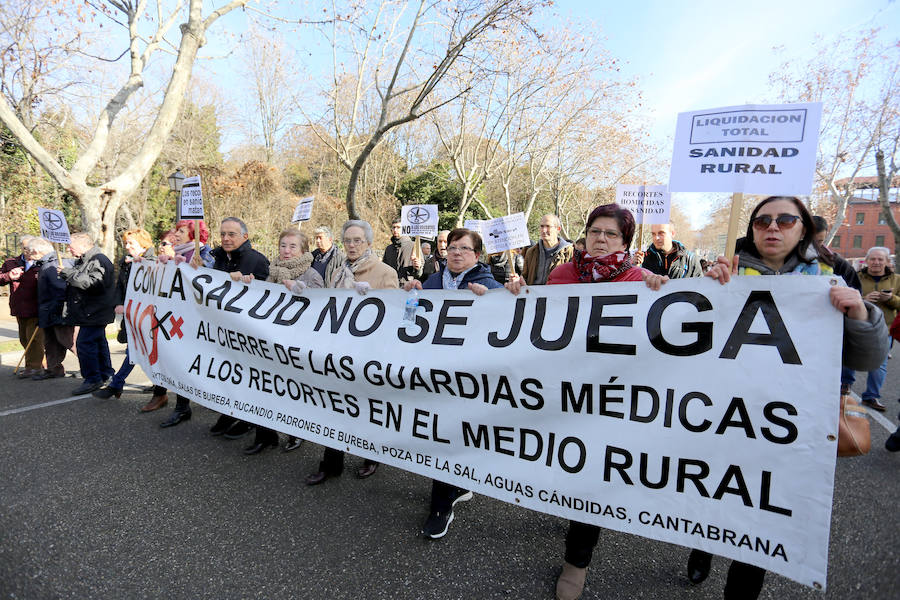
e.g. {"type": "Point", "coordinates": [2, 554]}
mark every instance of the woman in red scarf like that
{"type": "Point", "coordinates": [606, 257]}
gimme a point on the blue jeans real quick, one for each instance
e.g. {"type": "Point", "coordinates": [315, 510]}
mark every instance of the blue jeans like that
{"type": "Point", "coordinates": [874, 381]}
{"type": "Point", "coordinates": [93, 354]}
{"type": "Point", "coordinates": [118, 380]}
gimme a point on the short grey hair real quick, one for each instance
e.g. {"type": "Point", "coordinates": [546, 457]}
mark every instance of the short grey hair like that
{"type": "Point", "coordinates": [364, 225]}
{"type": "Point", "coordinates": [36, 244]}
{"type": "Point", "coordinates": [324, 231]}
{"type": "Point", "coordinates": [554, 217]}
{"type": "Point", "coordinates": [887, 253]}
{"type": "Point", "coordinates": [240, 223]}
{"type": "Point", "coordinates": [82, 237]}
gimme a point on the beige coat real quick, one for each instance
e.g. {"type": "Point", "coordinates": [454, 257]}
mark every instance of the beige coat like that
{"type": "Point", "coordinates": [377, 274]}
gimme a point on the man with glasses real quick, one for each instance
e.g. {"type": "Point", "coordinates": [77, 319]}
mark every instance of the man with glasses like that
{"type": "Point", "coordinates": [550, 252]}
{"type": "Point", "coordinates": [238, 258]}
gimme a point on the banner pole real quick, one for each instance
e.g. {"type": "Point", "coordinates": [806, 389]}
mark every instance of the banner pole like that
{"type": "Point", "coordinates": [58, 257]}
{"type": "Point", "coordinates": [737, 202]}
{"type": "Point", "coordinates": [417, 249]}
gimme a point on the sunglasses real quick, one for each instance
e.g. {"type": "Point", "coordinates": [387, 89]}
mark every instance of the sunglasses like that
{"type": "Point", "coordinates": [763, 222]}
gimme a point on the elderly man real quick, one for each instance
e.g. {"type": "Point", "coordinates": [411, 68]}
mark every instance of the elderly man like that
{"type": "Point", "coordinates": [667, 256]}
{"type": "Point", "coordinates": [237, 257]}
{"type": "Point", "coordinates": [881, 286]}
{"type": "Point", "coordinates": [21, 274]}
{"type": "Point", "coordinates": [90, 302]}
{"type": "Point", "coordinates": [59, 338]}
{"type": "Point", "coordinates": [399, 255]}
{"type": "Point", "coordinates": [437, 261]}
{"type": "Point", "coordinates": [550, 252]}
{"type": "Point", "coordinates": [326, 257]}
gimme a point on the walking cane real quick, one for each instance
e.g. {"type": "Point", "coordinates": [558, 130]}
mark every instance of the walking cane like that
{"type": "Point", "coordinates": [33, 333]}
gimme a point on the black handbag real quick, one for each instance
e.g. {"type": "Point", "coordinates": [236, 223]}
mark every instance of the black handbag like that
{"type": "Point", "coordinates": [122, 336]}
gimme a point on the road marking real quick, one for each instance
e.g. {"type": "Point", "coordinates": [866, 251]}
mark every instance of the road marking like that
{"type": "Point", "coordinates": [877, 416]}
{"type": "Point", "coordinates": [21, 409]}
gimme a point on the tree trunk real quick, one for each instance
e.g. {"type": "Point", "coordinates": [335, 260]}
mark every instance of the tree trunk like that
{"type": "Point", "coordinates": [884, 187]}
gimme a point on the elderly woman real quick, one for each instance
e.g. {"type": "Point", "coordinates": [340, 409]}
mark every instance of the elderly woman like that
{"type": "Point", "coordinates": [781, 241]}
{"type": "Point", "coordinates": [606, 258]}
{"type": "Point", "coordinates": [138, 244]}
{"type": "Point", "coordinates": [294, 262]}
{"type": "Point", "coordinates": [462, 272]}
{"type": "Point", "coordinates": [362, 270]}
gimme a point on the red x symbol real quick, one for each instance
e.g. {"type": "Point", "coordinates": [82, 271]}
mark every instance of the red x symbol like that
{"type": "Point", "coordinates": [176, 327]}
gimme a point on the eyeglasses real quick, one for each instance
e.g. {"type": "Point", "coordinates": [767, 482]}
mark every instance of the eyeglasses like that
{"type": "Point", "coordinates": [354, 241]}
{"type": "Point", "coordinates": [460, 249]}
{"type": "Point", "coordinates": [607, 233]}
{"type": "Point", "coordinates": [785, 221]}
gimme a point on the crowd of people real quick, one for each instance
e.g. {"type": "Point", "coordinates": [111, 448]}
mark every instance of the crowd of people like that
{"type": "Point", "coordinates": [66, 305]}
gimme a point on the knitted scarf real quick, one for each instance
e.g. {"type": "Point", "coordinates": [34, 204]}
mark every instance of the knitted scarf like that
{"type": "Point", "coordinates": [291, 268]}
{"type": "Point", "coordinates": [345, 277]}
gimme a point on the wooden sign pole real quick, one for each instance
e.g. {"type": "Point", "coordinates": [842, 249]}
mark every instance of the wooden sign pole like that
{"type": "Point", "coordinates": [737, 202]}
{"type": "Point", "coordinates": [417, 249]}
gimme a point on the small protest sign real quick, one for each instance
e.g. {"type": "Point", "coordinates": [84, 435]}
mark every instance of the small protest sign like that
{"type": "Point", "coordinates": [191, 199]}
{"type": "Point", "coordinates": [753, 149]}
{"type": "Point", "coordinates": [53, 226]}
{"type": "Point", "coordinates": [503, 233]}
{"type": "Point", "coordinates": [648, 203]}
{"type": "Point", "coordinates": [303, 210]}
{"type": "Point", "coordinates": [419, 219]}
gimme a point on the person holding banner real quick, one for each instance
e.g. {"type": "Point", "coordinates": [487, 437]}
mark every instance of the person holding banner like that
{"type": "Point", "coordinates": [606, 258]}
{"type": "Point", "coordinates": [327, 258]}
{"type": "Point", "coordinates": [184, 241]}
{"type": "Point", "coordinates": [780, 240]}
{"type": "Point", "coordinates": [20, 274]}
{"type": "Point", "coordinates": [550, 252]}
{"type": "Point", "coordinates": [361, 271]}
{"type": "Point", "coordinates": [292, 263]}
{"type": "Point", "coordinates": [90, 299]}
{"type": "Point", "coordinates": [462, 272]}
{"type": "Point", "coordinates": [58, 337]}
{"type": "Point", "coordinates": [238, 258]}
{"type": "Point", "coordinates": [138, 244]}
{"type": "Point", "coordinates": [399, 255]}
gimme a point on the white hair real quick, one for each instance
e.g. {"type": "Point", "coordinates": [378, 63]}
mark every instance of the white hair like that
{"type": "Point", "coordinates": [887, 253]}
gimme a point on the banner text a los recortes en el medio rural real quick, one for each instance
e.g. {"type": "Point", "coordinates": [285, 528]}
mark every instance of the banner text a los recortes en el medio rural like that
{"type": "Point", "coordinates": [699, 414]}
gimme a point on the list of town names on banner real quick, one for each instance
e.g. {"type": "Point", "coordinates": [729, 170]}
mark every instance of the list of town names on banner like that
{"type": "Point", "coordinates": [612, 404]}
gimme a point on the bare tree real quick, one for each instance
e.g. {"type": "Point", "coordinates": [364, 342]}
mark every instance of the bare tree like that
{"type": "Point", "coordinates": [400, 54]}
{"type": "Point", "coordinates": [99, 203]}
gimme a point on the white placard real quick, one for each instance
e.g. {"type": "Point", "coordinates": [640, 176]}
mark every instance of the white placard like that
{"type": "Point", "coordinates": [701, 414]}
{"type": "Point", "coordinates": [419, 219]}
{"type": "Point", "coordinates": [503, 233]}
{"type": "Point", "coordinates": [754, 149]}
{"type": "Point", "coordinates": [303, 210]}
{"type": "Point", "coordinates": [650, 204]}
{"type": "Point", "coordinates": [191, 198]}
{"type": "Point", "coordinates": [53, 225]}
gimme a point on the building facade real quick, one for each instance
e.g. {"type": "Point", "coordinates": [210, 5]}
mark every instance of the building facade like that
{"type": "Point", "coordinates": [864, 225]}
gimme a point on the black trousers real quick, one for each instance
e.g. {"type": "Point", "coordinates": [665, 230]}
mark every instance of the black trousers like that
{"type": "Point", "coordinates": [333, 462]}
{"type": "Point", "coordinates": [744, 581]}
{"type": "Point", "coordinates": [443, 495]}
{"type": "Point", "coordinates": [580, 542]}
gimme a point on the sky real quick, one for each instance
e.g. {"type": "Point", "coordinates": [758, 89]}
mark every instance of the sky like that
{"type": "Point", "coordinates": [699, 54]}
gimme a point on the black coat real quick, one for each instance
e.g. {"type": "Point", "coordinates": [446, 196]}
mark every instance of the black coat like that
{"type": "Point", "coordinates": [398, 255]}
{"type": "Point", "coordinates": [51, 291]}
{"type": "Point", "coordinates": [90, 290]}
{"type": "Point", "coordinates": [244, 259]}
{"type": "Point", "coordinates": [684, 264]}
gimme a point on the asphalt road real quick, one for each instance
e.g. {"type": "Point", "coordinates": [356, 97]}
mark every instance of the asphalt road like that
{"type": "Point", "coordinates": [96, 501]}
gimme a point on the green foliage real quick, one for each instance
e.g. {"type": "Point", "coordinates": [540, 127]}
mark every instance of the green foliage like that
{"type": "Point", "coordinates": [297, 179]}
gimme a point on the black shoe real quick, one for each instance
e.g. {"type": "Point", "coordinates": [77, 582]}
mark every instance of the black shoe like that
{"type": "Point", "coordinates": [367, 470]}
{"type": "Point", "coordinates": [699, 563]}
{"type": "Point", "coordinates": [258, 447]}
{"type": "Point", "coordinates": [221, 426]}
{"type": "Point", "coordinates": [317, 478]}
{"type": "Point", "coordinates": [238, 430]}
{"type": "Point", "coordinates": [292, 443]}
{"type": "Point", "coordinates": [107, 392]}
{"type": "Point", "coordinates": [437, 524]}
{"type": "Point", "coordinates": [46, 374]}
{"type": "Point", "coordinates": [87, 388]}
{"type": "Point", "coordinates": [892, 444]}
{"type": "Point", "coordinates": [176, 417]}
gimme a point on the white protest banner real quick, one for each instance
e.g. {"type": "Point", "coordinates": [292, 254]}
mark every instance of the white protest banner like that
{"type": "Point", "coordinates": [699, 414]}
{"type": "Point", "coordinates": [503, 233]}
{"type": "Point", "coordinates": [191, 199]}
{"type": "Point", "coordinates": [419, 219]}
{"type": "Point", "coordinates": [752, 149]}
{"type": "Point", "coordinates": [53, 225]}
{"type": "Point", "coordinates": [303, 210]}
{"type": "Point", "coordinates": [648, 203]}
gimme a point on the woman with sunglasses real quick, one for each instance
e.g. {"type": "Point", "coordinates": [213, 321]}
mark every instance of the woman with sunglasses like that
{"type": "Point", "coordinates": [781, 241]}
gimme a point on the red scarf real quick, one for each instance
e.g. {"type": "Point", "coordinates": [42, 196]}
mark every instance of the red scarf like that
{"type": "Point", "coordinates": [600, 268]}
